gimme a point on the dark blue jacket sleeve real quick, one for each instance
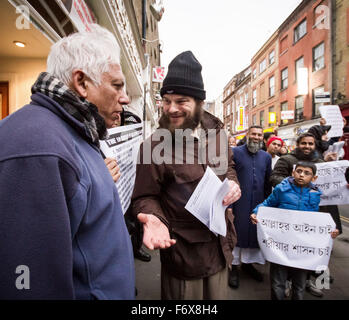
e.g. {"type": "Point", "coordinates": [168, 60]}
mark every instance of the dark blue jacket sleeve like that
{"type": "Point", "coordinates": [271, 201]}
{"type": "Point", "coordinates": [35, 228]}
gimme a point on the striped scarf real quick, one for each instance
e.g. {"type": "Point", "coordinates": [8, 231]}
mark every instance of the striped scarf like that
{"type": "Point", "coordinates": [78, 107]}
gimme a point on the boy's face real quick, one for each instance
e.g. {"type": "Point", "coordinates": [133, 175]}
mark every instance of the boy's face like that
{"type": "Point", "coordinates": [303, 176]}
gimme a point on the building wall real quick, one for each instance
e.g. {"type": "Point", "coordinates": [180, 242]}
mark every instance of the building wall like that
{"type": "Point", "coordinates": [341, 83]}
{"type": "Point", "coordinates": [260, 82]}
{"type": "Point", "coordinates": [290, 52]}
{"type": "Point", "coordinates": [21, 73]}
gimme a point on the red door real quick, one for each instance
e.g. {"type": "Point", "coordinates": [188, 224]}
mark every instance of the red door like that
{"type": "Point", "coordinates": [4, 110]}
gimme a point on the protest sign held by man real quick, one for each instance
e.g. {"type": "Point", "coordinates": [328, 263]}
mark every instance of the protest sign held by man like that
{"type": "Point", "coordinates": [60, 211]}
{"type": "Point", "coordinates": [194, 260]}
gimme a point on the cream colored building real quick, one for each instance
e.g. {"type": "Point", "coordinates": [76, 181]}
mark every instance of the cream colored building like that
{"type": "Point", "coordinates": [39, 24]}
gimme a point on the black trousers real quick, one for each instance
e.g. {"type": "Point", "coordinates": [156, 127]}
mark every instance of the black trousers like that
{"type": "Point", "coordinates": [278, 276]}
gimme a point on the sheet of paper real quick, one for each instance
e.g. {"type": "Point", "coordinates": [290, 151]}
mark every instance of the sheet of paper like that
{"type": "Point", "coordinates": [334, 118]}
{"type": "Point", "coordinates": [201, 200]}
{"type": "Point", "coordinates": [217, 214]}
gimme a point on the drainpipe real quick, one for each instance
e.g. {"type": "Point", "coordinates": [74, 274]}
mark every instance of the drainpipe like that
{"type": "Point", "coordinates": [333, 21]}
{"type": "Point", "coordinates": [144, 21]}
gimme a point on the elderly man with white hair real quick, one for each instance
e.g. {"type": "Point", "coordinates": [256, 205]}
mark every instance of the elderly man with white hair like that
{"type": "Point", "coordinates": [62, 231]}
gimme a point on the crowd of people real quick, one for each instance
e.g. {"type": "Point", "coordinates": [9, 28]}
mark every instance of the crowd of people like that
{"type": "Point", "coordinates": [60, 212]}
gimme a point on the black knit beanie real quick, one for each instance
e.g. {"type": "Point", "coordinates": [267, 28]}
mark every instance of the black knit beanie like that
{"type": "Point", "coordinates": [184, 77]}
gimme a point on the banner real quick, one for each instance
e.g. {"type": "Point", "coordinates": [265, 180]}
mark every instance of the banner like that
{"type": "Point", "coordinates": [331, 181]}
{"type": "Point", "coordinates": [298, 239]}
{"type": "Point", "coordinates": [123, 145]}
{"type": "Point", "coordinates": [80, 13]}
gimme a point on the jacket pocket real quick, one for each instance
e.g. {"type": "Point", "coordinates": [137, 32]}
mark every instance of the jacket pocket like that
{"type": "Point", "coordinates": [187, 173]}
{"type": "Point", "coordinates": [191, 232]}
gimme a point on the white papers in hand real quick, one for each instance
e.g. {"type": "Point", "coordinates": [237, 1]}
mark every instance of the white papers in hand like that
{"type": "Point", "coordinates": [206, 202]}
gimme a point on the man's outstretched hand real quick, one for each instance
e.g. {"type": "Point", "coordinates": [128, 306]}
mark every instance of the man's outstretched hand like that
{"type": "Point", "coordinates": [156, 233]}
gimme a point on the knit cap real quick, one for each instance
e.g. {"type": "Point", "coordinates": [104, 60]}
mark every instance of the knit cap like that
{"type": "Point", "coordinates": [184, 77]}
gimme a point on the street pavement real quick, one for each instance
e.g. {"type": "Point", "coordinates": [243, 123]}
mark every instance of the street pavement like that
{"type": "Point", "coordinates": [148, 275]}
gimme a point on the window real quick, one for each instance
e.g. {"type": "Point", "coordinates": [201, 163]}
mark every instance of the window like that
{"type": "Point", "coordinates": [298, 114]}
{"type": "Point", "coordinates": [319, 57]}
{"type": "Point", "coordinates": [261, 119]}
{"type": "Point", "coordinates": [254, 97]}
{"type": "Point", "coordinates": [254, 120]}
{"type": "Point", "coordinates": [262, 92]}
{"type": "Point", "coordinates": [316, 106]}
{"type": "Point", "coordinates": [254, 73]}
{"type": "Point", "coordinates": [241, 100]}
{"type": "Point", "coordinates": [271, 86]}
{"type": "Point", "coordinates": [272, 57]}
{"type": "Point", "coordinates": [300, 31]}
{"type": "Point", "coordinates": [246, 98]}
{"type": "Point", "coordinates": [262, 66]}
{"type": "Point", "coordinates": [299, 64]}
{"type": "Point", "coordinates": [284, 44]}
{"type": "Point", "coordinates": [284, 78]}
{"type": "Point", "coordinates": [284, 107]}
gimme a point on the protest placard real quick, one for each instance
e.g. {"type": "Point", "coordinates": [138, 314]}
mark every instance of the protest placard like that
{"type": "Point", "coordinates": [123, 145]}
{"type": "Point", "coordinates": [334, 118]}
{"type": "Point", "coordinates": [331, 181]}
{"type": "Point", "coordinates": [298, 239]}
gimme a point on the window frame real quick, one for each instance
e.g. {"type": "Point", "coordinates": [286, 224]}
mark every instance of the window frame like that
{"type": "Point", "coordinates": [282, 79]}
{"type": "Point", "coordinates": [298, 27]}
{"type": "Point", "coordinates": [321, 57]}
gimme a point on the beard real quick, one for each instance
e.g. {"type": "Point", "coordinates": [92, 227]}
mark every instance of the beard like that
{"type": "Point", "coordinates": [254, 147]}
{"type": "Point", "coordinates": [300, 155]}
{"type": "Point", "coordinates": [190, 122]}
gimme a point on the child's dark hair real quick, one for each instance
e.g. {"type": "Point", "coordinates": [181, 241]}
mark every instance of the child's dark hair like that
{"type": "Point", "coordinates": [306, 164]}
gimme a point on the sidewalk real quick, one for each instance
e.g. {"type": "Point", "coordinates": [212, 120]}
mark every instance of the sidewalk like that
{"type": "Point", "coordinates": [148, 277]}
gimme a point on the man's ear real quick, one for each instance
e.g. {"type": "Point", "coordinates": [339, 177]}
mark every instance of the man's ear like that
{"type": "Point", "coordinates": [314, 179]}
{"type": "Point", "coordinates": [79, 83]}
{"type": "Point", "coordinates": [293, 171]}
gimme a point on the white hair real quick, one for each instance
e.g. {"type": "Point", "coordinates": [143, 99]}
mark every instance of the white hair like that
{"type": "Point", "coordinates": [92, 51]}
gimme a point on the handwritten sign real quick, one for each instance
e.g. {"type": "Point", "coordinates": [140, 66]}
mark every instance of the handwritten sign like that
{"type": "Point", "coordinates": [331, 181]}
{"type": "Point", "coordinates": [334, 118]}
{"type": "Point", "coordinates": [123, 145]}
{"type": "Point", "coordinates": [298, 239]}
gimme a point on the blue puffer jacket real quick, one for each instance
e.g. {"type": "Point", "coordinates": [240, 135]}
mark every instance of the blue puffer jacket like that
{"type": "Point", "coordinates": [287, 195]}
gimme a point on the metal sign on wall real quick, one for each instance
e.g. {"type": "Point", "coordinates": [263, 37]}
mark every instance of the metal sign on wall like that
{"type": "Point", "coordinates": [158, 74]}
{"type": "Point", "coordinates": [287, 115]}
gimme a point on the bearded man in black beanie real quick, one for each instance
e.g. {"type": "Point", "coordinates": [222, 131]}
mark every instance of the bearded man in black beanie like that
{"type": "Point", "coordinates": [194, 260]}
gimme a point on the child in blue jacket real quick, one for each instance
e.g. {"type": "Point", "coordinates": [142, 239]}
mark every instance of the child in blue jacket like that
{"type": "Point", "coordinates": [295, 193]}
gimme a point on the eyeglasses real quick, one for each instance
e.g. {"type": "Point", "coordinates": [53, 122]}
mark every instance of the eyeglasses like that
{"type": "Point", "coordinates": [305, 172]}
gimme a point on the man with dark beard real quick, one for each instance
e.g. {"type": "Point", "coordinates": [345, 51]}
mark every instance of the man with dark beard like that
{"type": "Point", "coordinates": [305, 151]}
{"type": "Point", "coordinates": [194, 260]}
{"type": "Point", "coordinates": [253, 167]}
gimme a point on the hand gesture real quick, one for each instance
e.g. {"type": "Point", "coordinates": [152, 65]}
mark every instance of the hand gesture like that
{"type": "Point", "coordinates": [335, 234]}
{"type": "Point", "coordinates": [156, 233]}
{"type": "Point", "coordinates": [254, 218]}
{"type": "Point", "coordinates": [113, 168]}
{"type": "Point", "coordinates": [233, 195]}
{"type": "Point", "coordinates": [331, 156]}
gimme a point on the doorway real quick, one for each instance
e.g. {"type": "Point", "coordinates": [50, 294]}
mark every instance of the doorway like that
{"type": "Point", "coordinates": [4, 108]}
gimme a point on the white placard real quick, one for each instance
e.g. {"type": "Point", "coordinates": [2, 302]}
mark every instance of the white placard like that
{"type": "Point", "coordinates": [331, 181]}
{"type": "Point", "coordinates": [334, 118]}
{"type": "Point", "coordinates": [123, 145]}
{"type": "Point", "coordinates": [298, 239]}
{"type": "Point", "coordinates": [206, 202]}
